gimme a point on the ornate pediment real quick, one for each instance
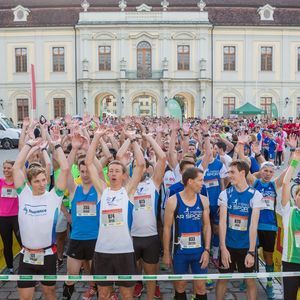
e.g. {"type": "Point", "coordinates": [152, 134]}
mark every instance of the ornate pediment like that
{"type": "Point", "coordinates": [266, 12]}
{"type": "Point", "coordinates": [144, 7]}
{"type": "Point", "coordinates": [20, 13]}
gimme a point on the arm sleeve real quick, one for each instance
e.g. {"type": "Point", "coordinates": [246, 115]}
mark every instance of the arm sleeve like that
{"type": "Point", "coordinates": [223, 199]}
{"type": "Point", "coordinates": [223, 172]}
{"type": "Point", "coordinates": [257, 201]}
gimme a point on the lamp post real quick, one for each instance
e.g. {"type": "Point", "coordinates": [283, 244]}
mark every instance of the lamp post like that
{"type": "Point", "coordinates": [84, 100]}
{"type": "Point", "coordinates": [166, 100]}
{"type": "Point", "coordinates": [287, 100]}
{"type": "Point", "coordinates": [203, 100]}
{"type": "Point", "coordinates": [1, 103]}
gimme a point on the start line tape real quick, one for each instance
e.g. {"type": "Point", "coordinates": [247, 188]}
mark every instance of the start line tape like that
{"type": "Point", "coordinates": [78, 278]}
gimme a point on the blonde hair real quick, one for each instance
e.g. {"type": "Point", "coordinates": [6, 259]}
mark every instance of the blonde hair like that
{"type": "Point", "coordinates": [35, 171]}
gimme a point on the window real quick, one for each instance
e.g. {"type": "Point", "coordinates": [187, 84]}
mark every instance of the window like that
{"type": "Point", "coordinates": [298, 57]}
{"type": "Point", "coordinates": [183, 57]}
{"type": "Point", "coordinates": [298, 107]}
{"type": "Point", "coordinates": [144, 60]}
{"type": "Point", "coordinates": [104, 58]}
{"type": "Point", "coordinates": [228, 106]}
{"type": "Point", "coordinates": [266, 58]}
{"type": "Point", "coordinates": [59, 107]}
{"type": "Point", "coordinates": [22, 109]}
{"type": "Point", "coordinates": [266, 104]}
{"type": "Point", "coordinates": [229, 58]}
{"type": "Point", "coordinates": [21, 60]}
{"type": "Point", "coordinates": [58, 57]}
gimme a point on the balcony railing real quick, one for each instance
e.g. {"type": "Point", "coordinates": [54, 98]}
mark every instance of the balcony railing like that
{"type": "Point", "coordinates": [144, 75]}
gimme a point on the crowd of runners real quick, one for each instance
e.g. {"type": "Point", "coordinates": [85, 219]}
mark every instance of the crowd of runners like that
{"type": "Point", "coordinates": [119, 194]}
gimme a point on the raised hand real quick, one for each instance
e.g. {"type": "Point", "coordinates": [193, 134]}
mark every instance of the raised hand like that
{"type": "Point", "coordinates": [77, 141]}
{"type": "Point", "coordinates": [255, 147]}
{"type": "Point", "coordinates": [26, 122]}
{"type": "Point", "coordinates": [292, 140]}
{"type": "Point", "coordinates": [55, 135]}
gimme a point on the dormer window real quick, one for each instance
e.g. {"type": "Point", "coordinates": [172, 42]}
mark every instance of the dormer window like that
{"type": "Point", "coordinates": [20, 13]}
{"type": "Point", "coordinates": [266, 13]}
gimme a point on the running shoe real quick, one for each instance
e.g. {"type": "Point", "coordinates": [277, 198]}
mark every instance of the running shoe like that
{"type": "Point", "coordinates": [210, 284]}
{"type": "Point", "coordinates": [138, 289]}
{"type": "Point", "coordinates": [157, 294]}
{"type": "Point", "coordinates": [89, 293]}
{"type": "Point", "coordinates": [243, 286]}
{"type": "Point", "coordinates": [270, 292]}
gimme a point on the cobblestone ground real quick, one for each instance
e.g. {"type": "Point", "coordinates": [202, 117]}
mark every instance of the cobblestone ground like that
{"type": "Point", "coordinates": [8, 290]}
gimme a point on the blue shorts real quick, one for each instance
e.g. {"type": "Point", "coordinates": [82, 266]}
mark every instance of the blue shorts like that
{"type": "Point", "coordinates": [271, 155]}
{"type": "Point", "coordinates": [182, 263]}
{"type": "Point", "coordinates": [214, 214]}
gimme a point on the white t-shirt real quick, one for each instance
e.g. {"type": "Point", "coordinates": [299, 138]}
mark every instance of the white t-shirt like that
{"type": "Point", "coordinates": [226, 160]}
{"type": "Point", "coordinates": [38, 217]}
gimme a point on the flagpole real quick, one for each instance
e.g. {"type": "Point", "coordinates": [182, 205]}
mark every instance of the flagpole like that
{"type": "Point", "coordinates": [33, 93]}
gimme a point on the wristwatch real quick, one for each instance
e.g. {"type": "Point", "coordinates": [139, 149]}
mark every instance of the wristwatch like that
{"type": "Point", "coordinates": [252, 253]}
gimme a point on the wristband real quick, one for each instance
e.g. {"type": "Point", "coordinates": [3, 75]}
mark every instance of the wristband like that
{"type": "Point", "coordinates": [132, 141]}
{"type": "Point", "coordinates": [205, 135]}
{"type": "Point", "coordinates": [57, 146]}
{"type": "Point", "coordinates": [257, 155]}
{"type": "Point", "coordinates": [28, 145]}
{"type": "Point", "coordinates": [44, 149]}
{"type": "Point", "coordinates": [292, 149]}
{"type": "Point", "coordinates": [252, 253]}
{"type": "Point", "coordinates": [207, 250]}
{"type": "Point", "coordinates": [294, 163]}
{"type": "Point", "coordinates": [185, 134]}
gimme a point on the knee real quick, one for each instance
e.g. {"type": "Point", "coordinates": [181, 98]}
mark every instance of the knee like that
{"type": "Point", "coordinates": [50, 292]}
{"type": "Point", "coordinates": [103, 293]}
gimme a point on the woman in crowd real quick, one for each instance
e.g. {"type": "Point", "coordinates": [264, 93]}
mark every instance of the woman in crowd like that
{"type": "Point", "coordinates": [8, 213]}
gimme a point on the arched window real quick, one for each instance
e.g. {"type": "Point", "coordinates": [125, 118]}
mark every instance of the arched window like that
{"type": "Point", "coordinates": [144, 59]}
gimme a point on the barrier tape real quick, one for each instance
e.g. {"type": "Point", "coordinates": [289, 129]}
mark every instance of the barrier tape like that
{"type": "Point", "coordinates": [78, 278]}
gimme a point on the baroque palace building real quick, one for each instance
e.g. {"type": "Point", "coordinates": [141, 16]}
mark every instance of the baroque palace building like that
{"type": "Point", "coordinates": [130, 57]}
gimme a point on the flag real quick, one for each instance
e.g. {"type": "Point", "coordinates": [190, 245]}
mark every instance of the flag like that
{"type": "Point", "coordinates": [33, 89]}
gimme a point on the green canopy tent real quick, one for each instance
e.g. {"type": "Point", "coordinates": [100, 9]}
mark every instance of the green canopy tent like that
{"type": "Point", "coordinates": [248, 109]}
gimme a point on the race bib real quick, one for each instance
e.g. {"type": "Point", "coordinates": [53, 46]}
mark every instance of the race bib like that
{"type": "Point", "coordinates": [238, 222]}
{"type": "Point", "coordinates": [211, 183]}
{"type": "Point", "coordinates": [86, 209]}
{"type": "Point", "coordinates": [112, 217]}
{"type": "Point", "coordinates": [34, 258]}
{"type": "Point", "coordinates": [190, 240]}
{"type": "Point", "coordinates": [142, 202]}
{"type": "Point", "coordinates": [297, 239]}
{"type": "Point", "coordinates": [8, 192]}
{"type": "Point", "coordinates": [270, 202]}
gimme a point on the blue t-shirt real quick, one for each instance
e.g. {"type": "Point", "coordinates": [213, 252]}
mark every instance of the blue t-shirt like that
{"type": "Point", "coordinates": [188, 222]}
{"type": "Point", "coordinates": [239, 211]}
{"type": "Point", "coordinates": [85, 214]}
{"type": "Point", "coordinates": [267, 217]}
{"type": "Point", "coordinates": [254, 165]}
{"type": "Point", "coordinates": [272, 146]}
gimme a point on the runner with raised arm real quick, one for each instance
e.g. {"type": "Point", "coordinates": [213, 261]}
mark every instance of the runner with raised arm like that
{"type": "Point", "coordinates": [114, 253]}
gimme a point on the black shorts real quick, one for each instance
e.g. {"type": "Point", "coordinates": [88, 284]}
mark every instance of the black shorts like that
{"type": "Point", "coordinates": [237, 262]}
{"type": "Point", "coordinates": [147, 248]}
{"type": "Point", "coordinates": [115, 264]}
{"type": "Point", "coordinates": [267, 240]}
{"type": "Point", "coordinates": [81, 250]}
{"type": "Point", "coordinates": [49, 268]}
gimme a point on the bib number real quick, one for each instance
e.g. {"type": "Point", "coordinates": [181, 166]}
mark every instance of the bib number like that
{"type": "Point", "coordinates": [86, 209]}
{"type": "Point", "coordinates": [269, 202]}
{"type": "Point", "coordinates": [34, 258]}
{"type": "Point", "coordinates": [8, 192]}
{"type": "Point", "coordinates": [238, 222]}
{"type": "Point", "coordinates": [190, 240]}
{"type": "Point", "coordinates": [297, 239]}
{"type": "Point", "coordinates": [211, 183]}
{"type": "Point", "coordinates": [112, 217]}
{"type": "Point", "coordinates": [142, 202]}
